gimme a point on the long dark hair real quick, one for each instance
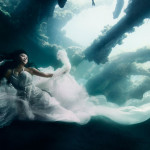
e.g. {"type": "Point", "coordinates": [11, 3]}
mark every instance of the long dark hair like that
{"type": "Point", "coordinates": [11, 61]}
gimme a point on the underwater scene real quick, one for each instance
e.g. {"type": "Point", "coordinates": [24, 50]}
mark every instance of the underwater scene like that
{"type": "Point", "coordinates": [75, 74]}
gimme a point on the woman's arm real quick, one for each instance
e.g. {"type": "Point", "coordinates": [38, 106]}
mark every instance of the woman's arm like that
{"type": "Point", "coordinates": [34, 71]}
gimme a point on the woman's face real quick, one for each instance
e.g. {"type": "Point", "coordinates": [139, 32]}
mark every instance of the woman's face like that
{"type": "Point", "coordinates": [23, 58]}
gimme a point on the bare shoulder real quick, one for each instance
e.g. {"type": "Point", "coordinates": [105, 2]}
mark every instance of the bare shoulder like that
{"type": "Point", "coordinates": [8, 73]}
{"type": "Point", "coordinates": [30, 70]}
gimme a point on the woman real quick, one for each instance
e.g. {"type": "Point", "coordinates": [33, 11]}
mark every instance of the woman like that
{"type": "Point", "coordinates": [31, 102]}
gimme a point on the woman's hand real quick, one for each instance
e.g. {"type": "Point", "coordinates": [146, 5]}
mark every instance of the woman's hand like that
{"type": "Point", "coordinates": [50, 75]}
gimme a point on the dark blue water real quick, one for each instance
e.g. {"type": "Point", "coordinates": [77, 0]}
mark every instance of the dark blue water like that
{"type": "Point", "coordinates": [95, 135]}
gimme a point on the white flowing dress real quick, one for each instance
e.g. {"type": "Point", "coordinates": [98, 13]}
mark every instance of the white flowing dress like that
{"type": "Point", "coordinates": [27, 101]}
{"type": "Point", "coordinates": [36, 102]}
